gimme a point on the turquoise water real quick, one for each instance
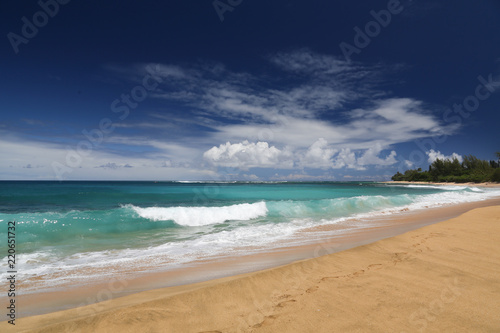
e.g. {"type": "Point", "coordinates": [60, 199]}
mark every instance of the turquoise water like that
{"type": "Point", "coordinates": [64, 228]}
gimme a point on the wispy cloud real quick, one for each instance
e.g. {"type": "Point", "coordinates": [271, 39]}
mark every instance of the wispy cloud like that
{"type": "Point", "coordinates": [305, 61]}
{"type": "Point", "coordinates": [114, 166]}
{"type": "Point", "coordinates": [29, 159]}
{"type": "Point", "coordinates": [299, 119]}
{"type": "Point", "coordinates": [308, 111]}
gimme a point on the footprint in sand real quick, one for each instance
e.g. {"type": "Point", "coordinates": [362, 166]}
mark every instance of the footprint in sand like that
{"type": "Point", "coordinates": [331, 277]}
{"type": "Point", "coordinates": [375, 266]}
{"type": "Point", "coordinates": [282, 304]}
{"type": "Point", "coordinates": [280, 297]}
{"type": "Point", "coordinates": [358, 273]}
{"type": "Point", "coordinates": [399, 257]}
{"type": "Point", "coordinates": [312, 289]}
{"type": "Point", "coordinates": [267, 320]}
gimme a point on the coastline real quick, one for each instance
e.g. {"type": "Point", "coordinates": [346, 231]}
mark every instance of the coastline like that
{"type": "Point", "coordinates": [106, 308]}
{"type": "Point", "coordinates": [405, 182]}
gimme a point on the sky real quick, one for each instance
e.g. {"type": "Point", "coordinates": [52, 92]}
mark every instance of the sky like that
{"type": "Point", "coordinates": [245, 90]}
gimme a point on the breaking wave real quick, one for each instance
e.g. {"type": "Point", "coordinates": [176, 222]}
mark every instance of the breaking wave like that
{"type": "Point", "coordinates": [199, 216]}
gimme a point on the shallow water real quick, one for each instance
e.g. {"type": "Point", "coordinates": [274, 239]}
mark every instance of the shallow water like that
{"type": "Point", "coordinates": [71, 232]}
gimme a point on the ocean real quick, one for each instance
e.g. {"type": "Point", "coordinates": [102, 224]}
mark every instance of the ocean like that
{"type": "Point", "coordinates": [78, 232]}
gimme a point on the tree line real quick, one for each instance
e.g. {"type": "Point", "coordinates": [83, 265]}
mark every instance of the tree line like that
{"type": "Point", "coordinates": [471, 169]}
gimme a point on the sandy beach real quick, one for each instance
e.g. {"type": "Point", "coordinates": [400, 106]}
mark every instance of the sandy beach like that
{"type": "Point", "coordinates": [441, 277]}
{"type": "Point", "coordinates": [485, 184]}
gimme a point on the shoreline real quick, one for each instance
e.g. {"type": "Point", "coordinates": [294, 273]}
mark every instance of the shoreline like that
{"type": "Point", "coordinates": [405, 182]}
{"type": "Point", "coordinates": [275, 261]}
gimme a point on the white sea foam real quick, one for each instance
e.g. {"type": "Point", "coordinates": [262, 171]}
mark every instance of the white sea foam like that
{"type": "Point", "coordinates": [442, 187]}
{"type": "Point", "coordinates": [199, 216]}
{"type": "Point", "coordinates": [434, 187]}
{"type": "Point", "coordinates": [451, 197]}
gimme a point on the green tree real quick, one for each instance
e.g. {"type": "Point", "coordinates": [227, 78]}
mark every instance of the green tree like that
{"type": "Point", "coordinates": [398, 177]}
{"type": "Point", "coordinates": [495, 177]}
{"type": "Point", "coordinates": [472, 169]}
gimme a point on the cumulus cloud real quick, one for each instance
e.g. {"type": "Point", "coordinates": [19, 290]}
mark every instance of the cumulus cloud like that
{"type": "Point", "coordinates": [346, 158]}
{"type": "Point", "coordinates": [318, 155]}
{"type": "Point", "coordinates": [247, 155]}
{"type": "Point", "coordinates": [322, 155]}
{"type": "Point", "coordinates": [408, 163]}
{"type": "Point", "coordinates": [434, 155]}
{"type": "Point", "coordinates": [371, 157]}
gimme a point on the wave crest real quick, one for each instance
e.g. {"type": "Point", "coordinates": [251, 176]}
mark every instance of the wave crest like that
{"type": "Point", "coordinates": [199, 216]}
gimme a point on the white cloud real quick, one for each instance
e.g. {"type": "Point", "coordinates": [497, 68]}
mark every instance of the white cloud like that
{"type": "Point", "coordinates": [346, 158]}
{"type": "Point", "coordinates": [247, 155]}
{"type": "Point", "coordinates": [318, 155]}
{"type": "Point", "coordinates": [371, 157]}
{"type": "Point", "coordinates": [301, 177]}
{"type": "Point", "coordinates": [408, 163]}
{"type": "Point", "coordinates": [254, 108]}
{"type": "Point", "coordinates": [250, 177]}
{"type": "Point", "coordinates": [309, 62]}
{"type": "Point", "coordinates": [387, 123]}
{"type": "Point", "coordinates": [434, 155]}
{"type": "Point", "coordinates": [114, 166]}
{"type": "Point", "coordinates": [18, 154]}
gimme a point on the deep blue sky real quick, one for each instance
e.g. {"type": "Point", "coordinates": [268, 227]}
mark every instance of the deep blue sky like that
{"type": "Point", "coordinates": [268, 93]}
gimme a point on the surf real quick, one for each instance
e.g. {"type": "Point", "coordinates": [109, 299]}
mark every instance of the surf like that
{"type": "Point", "coordinates": [200, 216]}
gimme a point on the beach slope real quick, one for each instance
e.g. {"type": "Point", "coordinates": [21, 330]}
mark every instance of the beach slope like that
{"type": "Point", "coordinates": [440, 278]}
